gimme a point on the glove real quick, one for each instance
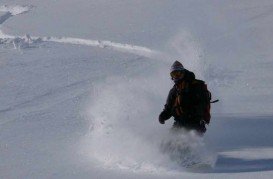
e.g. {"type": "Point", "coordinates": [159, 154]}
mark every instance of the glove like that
{"type": "Point", "coordinates": [161, 120]}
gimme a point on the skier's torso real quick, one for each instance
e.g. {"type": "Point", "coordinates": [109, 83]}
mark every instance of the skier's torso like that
{"type": "Point", "coordinates": [180, 97]}
{"type": "Point", "coordinates": [183, 103]}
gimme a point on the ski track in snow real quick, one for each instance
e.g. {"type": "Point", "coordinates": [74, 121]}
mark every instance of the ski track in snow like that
{"type": "Point", "coordinates": [27, 41]}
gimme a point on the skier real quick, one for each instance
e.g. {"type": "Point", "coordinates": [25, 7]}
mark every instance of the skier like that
{"type": "Point", "coordinates": [188, 101]}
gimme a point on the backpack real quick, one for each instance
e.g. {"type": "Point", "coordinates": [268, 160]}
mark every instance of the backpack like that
{"type": "Point", "coordinates": [204, 97]}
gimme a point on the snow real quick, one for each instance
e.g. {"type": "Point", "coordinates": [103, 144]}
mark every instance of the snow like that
{"type": "Point", "coordinates": [250, 154]}
{"type": "Point", "coordinates": [15, 10]}
{"type": "Point", "coordinates": [27, 40]}
{"type": "Point", "coordinates": [82, 84]}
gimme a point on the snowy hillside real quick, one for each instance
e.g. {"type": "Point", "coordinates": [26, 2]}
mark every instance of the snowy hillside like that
{"type": "Point", "coordinates": [82, 84]}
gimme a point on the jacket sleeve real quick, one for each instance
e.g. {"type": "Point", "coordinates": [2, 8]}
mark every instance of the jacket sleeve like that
{"type": "Point", "coordinates": [167, 111]}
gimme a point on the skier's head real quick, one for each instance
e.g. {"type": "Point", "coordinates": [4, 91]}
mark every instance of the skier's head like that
{"type": "Point", "coordinates": [177, 71]}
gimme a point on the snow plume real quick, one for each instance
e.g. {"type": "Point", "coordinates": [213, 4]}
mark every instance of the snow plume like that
{"type": "Point", "coordinates": [186, 49]}
{"type": "Point", "coordinates": [125, 133]}
{"type": "Point", "coordinates": [187, 148]}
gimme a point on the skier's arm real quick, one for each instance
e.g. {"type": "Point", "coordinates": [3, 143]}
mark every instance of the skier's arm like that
{"type": "Point", "coordinates": [167, 111]}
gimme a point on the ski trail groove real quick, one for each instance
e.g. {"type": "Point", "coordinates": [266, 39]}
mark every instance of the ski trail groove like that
{"type": "Point", "coordinates": [27, 40]}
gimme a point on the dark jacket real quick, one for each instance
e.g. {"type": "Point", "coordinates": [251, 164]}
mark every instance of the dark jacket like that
{"type": "Point", "coordinates": [188, 105]}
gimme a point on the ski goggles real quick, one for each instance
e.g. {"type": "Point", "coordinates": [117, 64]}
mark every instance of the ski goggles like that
{"type": "Point", "coordinates": [177, 74]}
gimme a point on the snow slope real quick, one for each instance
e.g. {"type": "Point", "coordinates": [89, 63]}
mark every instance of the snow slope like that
{"type": "Point", "coordinates": [82, 83]}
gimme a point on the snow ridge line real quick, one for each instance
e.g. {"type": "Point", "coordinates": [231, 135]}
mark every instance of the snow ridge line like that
{"type": "Point", "coordinates": [138, 50]}
{"type": "Point", "coordinates": [15, 10]}
{"type": "Point", "coordinates": [27, 41]}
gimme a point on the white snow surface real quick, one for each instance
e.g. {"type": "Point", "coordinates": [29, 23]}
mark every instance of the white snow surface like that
{"type": "Point", "coordinates": [82, 84]}
{"type": "Point", "coordinates": [14, 9]}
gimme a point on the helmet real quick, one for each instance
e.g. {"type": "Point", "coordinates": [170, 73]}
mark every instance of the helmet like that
{"type": "Point", "coordinates": [177, 71]}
